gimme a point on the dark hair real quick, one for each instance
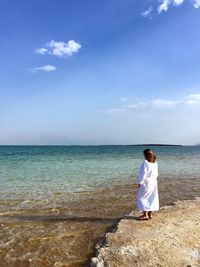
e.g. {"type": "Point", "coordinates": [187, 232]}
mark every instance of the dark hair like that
{"type": "Point", "coordinates": [149, 155]}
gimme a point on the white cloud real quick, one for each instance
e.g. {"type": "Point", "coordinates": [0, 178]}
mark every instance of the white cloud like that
{"type": "Point", "coordinates": [60, 49]}
{"type": "Point", "coordinates": [164, 6]}
{"type": "Point", "coordinates": [155, 103]}
{"type": "Point", "coordinates": [159, 103]}
{"type": "Point", "coordinates": [41, 51]}
{"type": "Point", "coordinates": [147, 13]}
{"type": "Point", "coordinates": [137, 105]}
{"type": "Point", "coordinates": [64, 49]}
{"type": "Point", "coordinates": [123, 99]}
{"type": "Point", "coordinates": [196, 3]}
{"type": "Point", "coordinates": [178, 2]}
{"type": "Point", "coordinates": [193, 99]}
{"type": "Point", "coordinates": [114, 110]}
{"type": "Point", "coordinates": [47, 68]}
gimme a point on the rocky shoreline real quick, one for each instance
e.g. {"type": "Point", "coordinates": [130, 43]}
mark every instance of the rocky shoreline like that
{"type": "Point", "coordinates": [171, 238]}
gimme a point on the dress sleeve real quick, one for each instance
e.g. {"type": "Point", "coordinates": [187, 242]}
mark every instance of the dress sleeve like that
{"type": "Point", "coordinates": [142, 173]}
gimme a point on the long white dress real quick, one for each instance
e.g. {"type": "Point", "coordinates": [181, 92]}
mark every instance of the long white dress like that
{"type": "Point", "coordinates": [147, 195]}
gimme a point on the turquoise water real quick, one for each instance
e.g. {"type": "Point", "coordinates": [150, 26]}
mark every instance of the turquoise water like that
{"type": "Point", "coordinates": [52, 208]}
{"type": "Point", "coordinates": [43, 171]}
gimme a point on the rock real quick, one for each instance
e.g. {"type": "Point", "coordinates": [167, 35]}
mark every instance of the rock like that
{"type": "Point", "coordinates": [171, 238]}
{"type": "Point", "coordinates": [95, 262]}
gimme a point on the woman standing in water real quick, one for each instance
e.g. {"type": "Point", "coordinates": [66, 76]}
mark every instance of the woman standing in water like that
{"type": "Point", "coordinates": [147, 195]}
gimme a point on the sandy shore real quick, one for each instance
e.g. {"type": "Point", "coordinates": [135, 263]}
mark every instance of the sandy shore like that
{"type": "Point", "coordinates": [171, 238]}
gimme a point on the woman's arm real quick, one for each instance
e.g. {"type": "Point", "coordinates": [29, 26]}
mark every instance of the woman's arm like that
{"type": "Point", "coordinates": [142, 174]}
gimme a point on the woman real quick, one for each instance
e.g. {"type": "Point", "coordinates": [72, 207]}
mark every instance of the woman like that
{"type": "Point", "coordinates": [147, 195]}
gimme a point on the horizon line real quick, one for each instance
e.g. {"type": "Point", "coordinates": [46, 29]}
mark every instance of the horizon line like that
{"type": "Point", "coordinates": [150, 144]}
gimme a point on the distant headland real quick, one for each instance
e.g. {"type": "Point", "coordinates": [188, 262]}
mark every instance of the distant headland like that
{"type": "Point", "coordinates": [156, 145]}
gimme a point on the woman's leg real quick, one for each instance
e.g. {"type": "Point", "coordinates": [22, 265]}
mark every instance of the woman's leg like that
{"type": "Point", "coordinates": [145, 214]}
{"type": "Point", "coordinates": [150, 214]}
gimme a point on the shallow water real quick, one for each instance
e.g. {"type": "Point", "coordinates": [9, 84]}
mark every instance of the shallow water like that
{"type": "Point", "coordinates": [43, 171]}
{"type": "Point", "coordinates": [57, 202]}
{"type": "Point", "coordinates": [66, 235]}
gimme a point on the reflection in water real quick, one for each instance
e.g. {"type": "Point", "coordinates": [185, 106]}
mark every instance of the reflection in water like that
{"type": "Point", "coordinates": [66, 235]}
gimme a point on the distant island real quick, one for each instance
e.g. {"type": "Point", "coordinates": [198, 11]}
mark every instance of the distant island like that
{"type": "Point", "coordinates": [156, 145]}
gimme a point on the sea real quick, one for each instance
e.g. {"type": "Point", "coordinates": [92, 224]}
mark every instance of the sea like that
{"type": "Point", "coordinates": [56, 202]}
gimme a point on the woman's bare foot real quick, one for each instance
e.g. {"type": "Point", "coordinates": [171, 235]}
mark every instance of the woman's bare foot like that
{"type": "Point", "coordinates": [143, 217]}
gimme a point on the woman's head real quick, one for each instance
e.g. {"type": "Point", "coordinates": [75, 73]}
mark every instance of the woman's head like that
{"type": "Point", "coordinates": [149, 155]}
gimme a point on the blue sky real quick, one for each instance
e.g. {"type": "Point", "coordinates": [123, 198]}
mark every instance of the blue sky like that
{"type": "Point", "coordinates": [99, 72]}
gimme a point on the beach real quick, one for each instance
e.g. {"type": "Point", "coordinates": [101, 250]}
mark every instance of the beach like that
{"type": "Point", "coordinates": [171, 238]}
{"type": "Point", "coordinates": [67, 236]}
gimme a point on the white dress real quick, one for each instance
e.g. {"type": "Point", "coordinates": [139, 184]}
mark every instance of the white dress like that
{"type": "Point", "coordinates": [147, 195]}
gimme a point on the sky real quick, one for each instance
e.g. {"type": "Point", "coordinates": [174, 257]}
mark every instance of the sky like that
{"type": "Point", "coordinates": [91, 72]}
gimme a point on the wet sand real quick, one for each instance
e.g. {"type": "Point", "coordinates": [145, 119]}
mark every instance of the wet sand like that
{"type": "Point", "coordinates": [66, 235]}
